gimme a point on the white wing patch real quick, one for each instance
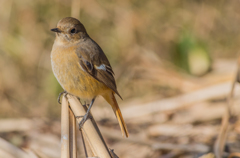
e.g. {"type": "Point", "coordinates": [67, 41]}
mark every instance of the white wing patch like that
{"type": "Point", "coordinates": [101, 67]}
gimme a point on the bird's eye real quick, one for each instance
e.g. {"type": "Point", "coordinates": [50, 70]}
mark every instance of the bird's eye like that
{"type": "Point", "coordinates": [73, 30]}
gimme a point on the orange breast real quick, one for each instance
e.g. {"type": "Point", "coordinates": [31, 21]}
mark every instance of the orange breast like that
{"type": "Point", "coordinates": [72, 78]}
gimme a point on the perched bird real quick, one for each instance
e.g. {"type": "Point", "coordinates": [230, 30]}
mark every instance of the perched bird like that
{"type": "Point", "coordinates": [82, 68]}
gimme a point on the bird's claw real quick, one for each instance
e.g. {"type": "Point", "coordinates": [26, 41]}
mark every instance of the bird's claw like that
{"type": "Point", "coordinates": [59, 96]}
{"type": "Point", "coordinates": [87, 105]}
{"type": "Point", "coordinates": [84, 119]}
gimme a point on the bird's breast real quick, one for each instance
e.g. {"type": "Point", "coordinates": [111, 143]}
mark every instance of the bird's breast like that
{"type": "Point", "coordinates": [70, 75]}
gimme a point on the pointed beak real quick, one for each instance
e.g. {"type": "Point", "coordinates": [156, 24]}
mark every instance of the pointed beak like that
{"type": "Point", "coordinates": [56, 30]}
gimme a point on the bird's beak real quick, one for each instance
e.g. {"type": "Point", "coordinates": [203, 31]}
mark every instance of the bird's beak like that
{"type": "Point", "coordinates": [56, 30]}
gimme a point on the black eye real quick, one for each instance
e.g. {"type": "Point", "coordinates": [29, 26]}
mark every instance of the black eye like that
{"type": "Point", "coordinates": [73, 30]}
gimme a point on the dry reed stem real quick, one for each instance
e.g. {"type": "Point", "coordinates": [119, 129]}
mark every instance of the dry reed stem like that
{"type": "Point", "coordinates": [20, 124]}
{"type": "Point", "coordinates": [64, 129]}
{"type": "Point", "coordinates": [177, 102]}
{"type": "Point", "coordinates": [13, 150]}
{"type": "Point", "coordinates": [226, 126]}
{"type": "Point", "coordinates": [72, 135]}
{"type": "Point", "coordinates": [91, 134]}
{"type": "Point", "coordinates": [220, 142]}
{"type": "Point", "coordinates": [113, 134]}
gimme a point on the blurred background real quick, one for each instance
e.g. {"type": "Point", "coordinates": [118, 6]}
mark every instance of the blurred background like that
{"type": "Point", "coordinates": [159, 51]}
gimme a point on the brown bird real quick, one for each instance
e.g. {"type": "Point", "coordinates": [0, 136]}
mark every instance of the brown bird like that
{"type": "Point", "coordinates": [82, 68]}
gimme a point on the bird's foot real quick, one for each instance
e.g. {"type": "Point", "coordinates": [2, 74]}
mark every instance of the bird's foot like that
{"type": "Point", "coordinates": [85, 104]}
{"type": "Point", "coordinates": [86, 116]}
{"type": "Point", "coordinates": [59, 96]}
{"type": "Point", "coordinates": [84, 119]}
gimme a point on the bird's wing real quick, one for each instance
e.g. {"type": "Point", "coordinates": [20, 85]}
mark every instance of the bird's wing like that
{"type": "Point", "coordinates": [93, 61]}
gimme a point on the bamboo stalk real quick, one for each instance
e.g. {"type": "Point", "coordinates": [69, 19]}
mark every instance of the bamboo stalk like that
{"type": "Point", "coordinates": [91, 134]}
{"type": "Point", "coordinates": [64, 129]}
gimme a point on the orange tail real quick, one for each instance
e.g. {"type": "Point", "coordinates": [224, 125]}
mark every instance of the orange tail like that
{"type": "Point", "coordinates": [110, 98]}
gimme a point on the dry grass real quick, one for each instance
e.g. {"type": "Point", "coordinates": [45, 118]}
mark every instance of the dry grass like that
{"type": "Point", "coordinates": [138, 37]}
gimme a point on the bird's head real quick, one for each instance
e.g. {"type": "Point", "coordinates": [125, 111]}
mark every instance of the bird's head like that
{"type": "Point", "coordinates": [69, 30]}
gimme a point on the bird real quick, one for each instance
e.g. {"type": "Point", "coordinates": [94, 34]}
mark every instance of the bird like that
{"type": "Point", "coordinates": [82, 69]}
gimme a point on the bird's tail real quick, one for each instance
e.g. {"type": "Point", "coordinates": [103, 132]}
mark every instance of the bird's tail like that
{"type": "Point", "coordinates": [110, 98]}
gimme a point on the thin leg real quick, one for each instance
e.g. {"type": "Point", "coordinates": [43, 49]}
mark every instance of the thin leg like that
{"type": "Point", "coordinates": [86, 116]}
{"type": "Point", "coordinates": [59, 96]}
